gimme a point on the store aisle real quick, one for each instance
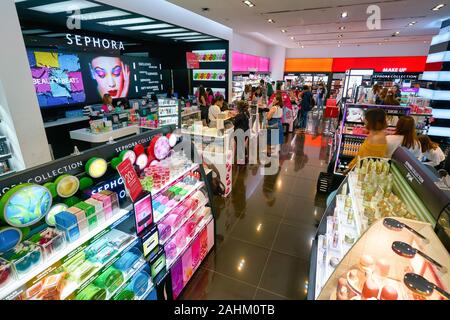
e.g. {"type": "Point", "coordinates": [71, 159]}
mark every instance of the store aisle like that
{"type": "Point", "coordinates": [265, 228]}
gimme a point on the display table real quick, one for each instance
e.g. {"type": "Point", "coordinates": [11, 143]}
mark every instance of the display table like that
{"type": "Point", "coordinates": [95, 138]}
{"type": "Point", "coordinates": [64, 121]}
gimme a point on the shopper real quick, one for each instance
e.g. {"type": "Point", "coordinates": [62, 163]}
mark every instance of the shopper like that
{"type": "Point", "coordinates": [397, 92]}
{"type": "Point", "coordinates": [382, 96]}
{"type": "Point", "coordinates": [373, 94]}
{"type": "Point", "coordinates": [263, 88]}
{"type": "Point", "coordinates": [390, 99]}
{"type": "Point", "coordinates": [107, 106]}
{"type": "Point", "coordinates": [246, 95]}
{"type": "Point", "coordinates": [274, 121]}
{"type": "Point", "coordinates": [405, 136]}
{"type": "Point", "coordinates": [242, 122]}
{"type": "Point", "coordinates": [432, 152]}
{"type": "Point", "coordinates": [210, 95]}
{"type": "Point", "coordinates": [203, 105]}
{"type": "Point", "coordinates": [375, 144]}
{"type": "Point", "coordinates": [306, 106]}
{"type": "Point", "coordinates": [214, 110]}
{"type": "Point", "coordinates": [321, 94]}
{"type": "Point", "coordinates": [270, 89]}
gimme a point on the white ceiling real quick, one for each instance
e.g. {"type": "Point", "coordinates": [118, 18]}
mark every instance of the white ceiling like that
{"type": "Point", "coordinates": [316, 23]}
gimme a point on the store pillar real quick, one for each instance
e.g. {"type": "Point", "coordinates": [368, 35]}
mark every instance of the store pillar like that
{"type": "Point", "coordinates": [21, 119]}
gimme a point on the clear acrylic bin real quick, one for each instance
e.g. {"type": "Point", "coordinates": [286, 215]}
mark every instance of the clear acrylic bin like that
{"type": "Point", "coordinates": [24, 257]}
{"type": "Point", "coordinates": [7, 273]}
{"type": "Point", "coordinates": [50, 240]}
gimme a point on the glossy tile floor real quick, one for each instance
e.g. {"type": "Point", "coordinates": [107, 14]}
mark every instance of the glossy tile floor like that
{"type": "Point", "coordinates": [265, 228]}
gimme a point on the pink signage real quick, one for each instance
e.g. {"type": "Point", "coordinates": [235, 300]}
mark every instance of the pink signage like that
{"type": "Point", "coordinates": [249, 63]}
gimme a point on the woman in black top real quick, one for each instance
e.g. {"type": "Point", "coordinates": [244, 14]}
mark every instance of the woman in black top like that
{"type": "Point", "coordinates": [241, 121]}
{"type": "Point", "coordinates": [203, 105]}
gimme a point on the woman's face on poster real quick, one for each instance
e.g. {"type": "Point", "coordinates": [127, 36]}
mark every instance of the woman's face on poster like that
{"type": "Point", "coordinates": [111, 76]}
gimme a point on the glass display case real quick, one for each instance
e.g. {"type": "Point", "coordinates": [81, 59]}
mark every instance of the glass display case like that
{"type": "Point", "coordinates": [401, 188]}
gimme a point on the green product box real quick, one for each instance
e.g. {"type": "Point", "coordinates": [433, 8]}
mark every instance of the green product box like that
{"type": "Point", "coordinates": [87, 208]}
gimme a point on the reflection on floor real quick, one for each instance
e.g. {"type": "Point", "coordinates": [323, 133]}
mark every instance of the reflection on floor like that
{"type": "Point", "coordinates": [265, 228]}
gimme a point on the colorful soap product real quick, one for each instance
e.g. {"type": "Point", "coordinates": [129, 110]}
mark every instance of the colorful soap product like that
{"type": "Point", "coordinates": [110, 280]}
{"type": "Point", "coordinates": [67, 185]}
{"type": "Point", "coordinates": [25, 205]}
{"type": "Point", "coordinates": [98, 206]}
{"type": "Point", "coordinates": [24, 256]}
{"type": "Point", "coordinates": [68, 223]}
{"type": "Point", "coordinates": [125, 295]}
{"type": "Point", "coordinates": [173, 220]}
{"type": "Point", "coordinates": [140, 284]}
{"type": "Point", "coordinates": [171, 250]}
{"type": "Point", "coordinates": [388, 293]}
{"type": "Point", "coordinates": [181, 239]}
{"type": "Point", "coordinates": [52, 188]}
{"type": "Point", "coordinates": [126, 262]}
{"type": "Point", "coordinates": [9, 238]}
{"type": "Point", "coordinates": [82, 222]}
{"type": "Point", "coordinates": [49, 240]}
{"type": "Point", "coordinates": [89, 211]}
{"type": "Point", "coordinates": [92, 292]}
{"type": "Point", "coordinates": [165, 230]}
{"type": "Point", "coordinates": [128, 154]}
{"type": "Point", "coordinates": [55, 209]}
{"type": "Point", "coordinates": [96, 167]}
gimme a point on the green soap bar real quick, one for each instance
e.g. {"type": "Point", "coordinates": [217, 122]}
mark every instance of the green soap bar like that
{"type": "Point", "coordinates": [87, 208]}
{"type": "Point", "coordinates": [92, 220]}
{"type": "Point", "coordinates": [125, 295]}
{"type": "Point", "coordinates": [183, 192]}
{"type": "Point", "coordinates": [72, 201]}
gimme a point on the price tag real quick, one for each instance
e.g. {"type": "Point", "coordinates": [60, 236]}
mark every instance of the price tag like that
{"type": "Point", "coordinates": [131, 179]}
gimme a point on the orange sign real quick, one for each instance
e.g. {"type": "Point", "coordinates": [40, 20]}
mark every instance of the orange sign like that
{"type": "Point", "coordinates": [309, 65]}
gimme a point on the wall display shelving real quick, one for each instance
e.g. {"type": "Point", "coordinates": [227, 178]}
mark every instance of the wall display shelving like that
{"type": "Point", "coordinates": [211, 55]}
{"type": "Point", "coordinates": [209, 75]}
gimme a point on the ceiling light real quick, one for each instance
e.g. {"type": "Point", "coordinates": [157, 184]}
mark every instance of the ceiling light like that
{"type": "Point", "coordinates": [16, 1]}
{"type": "Point", "coordinates": [248, 3]}
{"type": "Point", "coordinates": [55, 35]}
{"type": "Point", "coordinates": [149, 26]}
{"type": "Point", "coordinates": [412, 23]}
{"type": "Point", "coordinates": [439, 7]}
{"type": "Point", "coordinates": [339, 45]}
{"type": "Point", "coordinates": [284, 30]}
{"type": "Point", "coordinates": [201, 40]}
{"type": "Point", "coordinates": [164, 31]}
{"type": "Point", "coordinates": [100, 15]}
{"type": "Point", "coordinates": [340, 36]}
{"type": "Point", "coordinates": [303, 47]}
{"type": "Point", "coordinates": [344, 14]}
{"type": "Point", "coordinates": [342, 28]}
{"type": "Point", "coordinates": [270, 21]}
{"type": "Point", "coordinates": [292, 38]}
{"type": "Point", "coordinates": [379, 43]}
{"type": "Point", "coordinates": [34, 31]}
{"type": "Point", "coordinates": [194, 37]}
{"type": "Point", "coordinates": [397, 33]}
{"type": "Point", "coordinates": [181, 34]}
{"type": "Point", "coordinates": [126, 21]}
{"type": "Point", "coordinates": [65, 6]}
{"type": "Point", "coordinates": [339, 41]}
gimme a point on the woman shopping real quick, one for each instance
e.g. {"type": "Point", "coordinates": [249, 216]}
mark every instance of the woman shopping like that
{"type": "Point", "coordinates": [274, 122]}
{"type": "Point", "coordinates": [405, 136]}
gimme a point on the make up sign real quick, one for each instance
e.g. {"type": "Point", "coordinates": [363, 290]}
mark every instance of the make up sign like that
{"type": "Point", "coordinates": [131, 179]}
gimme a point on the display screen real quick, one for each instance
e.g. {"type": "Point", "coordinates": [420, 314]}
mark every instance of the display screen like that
{"type": "Point", "coordinates": [62, 78]}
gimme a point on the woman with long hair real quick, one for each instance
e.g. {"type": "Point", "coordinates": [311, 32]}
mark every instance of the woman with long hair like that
{"type": "Point", "coordinates": [431, 151]}
{"type": "Point", "coordinates": [405, 136]}
{"type": "Point", "coordinates": [376, 143]}
{"type": "Point", "coordinates": [274, 121]}
{"type": "Point", "coordinates": [203, 104]}
{"type": "Point", "coordinates": [382, 96]}
{"type": "Point", "coordinates": [390, 99]}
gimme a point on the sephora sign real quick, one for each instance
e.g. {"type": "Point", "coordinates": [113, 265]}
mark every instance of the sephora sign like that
{"type": "Point", "coordinates": [93, 42]}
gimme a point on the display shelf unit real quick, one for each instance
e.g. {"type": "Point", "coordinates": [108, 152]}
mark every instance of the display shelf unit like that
{"type": "Point", "coordinates": [138, 267]}
{"type": "Point", "coordinates": [413, 184]}
{"type": "Point", "coordinates": [121, 216]}
{"type": "Point", "coordinates": [354, 115]}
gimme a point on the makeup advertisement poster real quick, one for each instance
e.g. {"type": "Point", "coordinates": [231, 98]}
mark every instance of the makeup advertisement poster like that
{"type": "Point", "coordinates": [143, 213]}
{"type": "Point", "coordinates": [66, 78]}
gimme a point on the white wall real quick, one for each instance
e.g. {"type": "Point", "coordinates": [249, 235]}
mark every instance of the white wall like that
{"type": "Point", "coordinates": [412, 49]}
{"type": "Point", "coordinates": [277, 56]}
{"type": "Point", "coordinates": [244, 44]}
{"type": "Point", "coordinates": [19, 104]}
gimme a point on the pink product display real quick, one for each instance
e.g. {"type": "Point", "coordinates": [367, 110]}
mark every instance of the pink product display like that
{"type": "Point", "coordinates": [165, 231]}
{"type": "Point", "coordinates": [190, 228]}
{"type": "Point", "coordinates": [173, 220]}
{"type": "Point", "coordinates": [160, 174]}
{"type": "Point", "coordinates": [180, 239]}
{"type": "Point", "coordinates": [171, 250]}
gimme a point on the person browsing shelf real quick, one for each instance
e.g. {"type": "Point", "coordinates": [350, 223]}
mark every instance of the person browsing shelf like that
{"type": "Point", "coordinates": [202, 101]}
{"type": "Point", "coordinates": [215, 110]}
{"type": "Point", "coordinates": [375, 144]}
{"type": "Point", "coordinates": [432, 152]}
{"type": "Point", "coordinates": [390, 99]}
{"type": "Point", "coordinates": [405, 136]}
{"type": "Point", "coordinates": [107, 106]}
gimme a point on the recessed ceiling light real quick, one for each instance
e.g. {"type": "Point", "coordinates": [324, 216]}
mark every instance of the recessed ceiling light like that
{"type": "Point", "coordinates": [292, 38]}
{"type": "Point", "coordinates": [34, 31]}
{"type": "Point", "coordinates": [284, 30]}
{"type": "Point", "coordinates": [412, 23]}
{"type": "Point", "coordinates": [100, 15]}
{"type": "Point", "coordinates": [339, 45]}
{"type": "Point", "coordinates": [248, 3]}
{"type": "Point", "coordinates": [342, 28]}
{"type": "Point", "coordinates": [149, 27]}
{"type": "Point", "coordinates": [344, 14]}
{"type": "Point", "coordinates": [65, 6]}
{"type": "Point", "coordinates": [194, 37]}
{"type": "Point", "coordinates": [201, 40]}
{"type": "Point", "coordinates": [173, 35]}
{"type": "Point", "coordinates": [339, 41]}
{"type": "Point", "coordinates": [396, 33]}
{"type": "Point", "coordinates": [164, 31]}
{"type": "Point", "coordinates": [270, 21]}
{"type": "Point", "coordinates": [340, 36]}
{"type": "Point", "coordinates": [303, 47]}
{"type": "Point", "coordinates": [438, 7]}
{"type": "Point", "coordinates": [126, 21]}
